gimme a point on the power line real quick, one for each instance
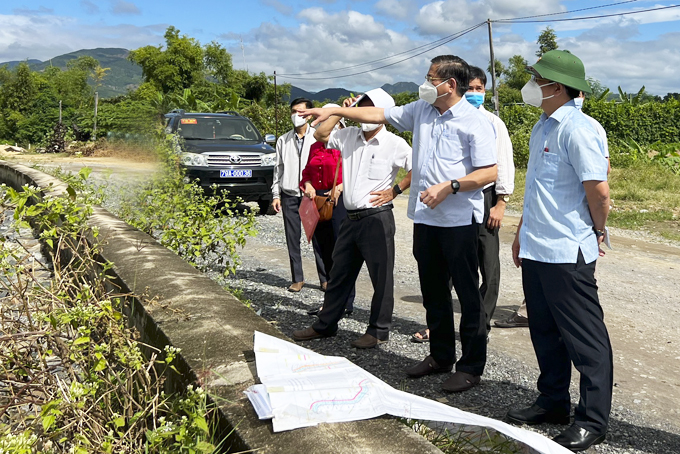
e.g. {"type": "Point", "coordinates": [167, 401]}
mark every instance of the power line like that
{"type": "Point", "coordinates": [389, 64]}
{"type": "Point", "coordinates": [440, 42]}
{"type": "Point", "coordinates": [566, 12]}
{"type": "Point", "coordinates": [443, 40]}
{"type": "Point", "coordinates": [520, 21]}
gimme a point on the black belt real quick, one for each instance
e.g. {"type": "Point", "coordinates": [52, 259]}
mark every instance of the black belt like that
{"type": "Point", "coordinates": [355, 215]}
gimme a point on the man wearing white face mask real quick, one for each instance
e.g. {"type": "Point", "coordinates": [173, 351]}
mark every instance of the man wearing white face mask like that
{"type": "Point", "coordinates": [520, 318]}
{"type": "Point", "coordinates": [371, 158]}
{"type": "Point", "coordinates": [566, 204]}
{"type": "Point", "coordinates": [496, 195]}
{"type": "Point", "coordinates": [454, 156]}
{"type": "Point", "coordinates": [292, 153]}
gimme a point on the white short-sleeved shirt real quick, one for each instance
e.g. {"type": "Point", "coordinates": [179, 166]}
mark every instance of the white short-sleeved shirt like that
{"type": "Point", "coordinates": [368, 166]}
{"type": "Point", "coordinates": [446, 147]}
{"type": "Point", "coordinates": [505, 182]}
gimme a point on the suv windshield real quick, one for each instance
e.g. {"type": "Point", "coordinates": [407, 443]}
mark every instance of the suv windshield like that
{"type": "Point", "coordinates": [211, 128]}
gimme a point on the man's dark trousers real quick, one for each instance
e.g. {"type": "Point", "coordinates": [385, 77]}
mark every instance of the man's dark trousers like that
{"type": "Point", "coordinates": [567, 326]}
{"type": "Point", "coordinates": [290, 208]}
{"type": "Point", "coordinates": [371, 240]}
{"type": "Point", "coordinates": [450, 254]}
{"type": "Point", "coordinates": [324, 239]}
{"type": "Point", "coordinates": [489, 261]}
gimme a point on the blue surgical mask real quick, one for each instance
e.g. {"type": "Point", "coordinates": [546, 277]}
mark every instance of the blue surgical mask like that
{"type": "Point", "coordinates": [579, 103]}
{"type": "Point", "coordinates": [474, 98]}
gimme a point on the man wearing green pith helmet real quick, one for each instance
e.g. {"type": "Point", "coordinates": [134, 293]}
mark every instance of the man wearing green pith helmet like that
{"type": "Point", "coordinates": [566, 204]}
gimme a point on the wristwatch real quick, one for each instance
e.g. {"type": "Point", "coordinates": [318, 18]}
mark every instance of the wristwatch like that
{"type": "Point", "coordinates": [598, 232]}
{"type": "Point", "coordinates": [397, 189]}
{"type": "Point", "coordinates": [504, 197]}
{"type": "Point", "coordinates": [455, 185]}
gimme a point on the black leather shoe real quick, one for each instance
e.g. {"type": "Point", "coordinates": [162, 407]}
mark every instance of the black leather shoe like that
{"type": "Point", "coordinates": [426, 367]}
{"type": "Point", "coordinates": [578, 439]}
{"type": "Point", "coordinates": [347, 312]}
{"type": "Point", "coordinates": [537, 415]}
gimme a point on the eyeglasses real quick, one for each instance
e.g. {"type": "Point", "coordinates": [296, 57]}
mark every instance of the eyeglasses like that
{"type": "Point", "coordinates": [430, 79]}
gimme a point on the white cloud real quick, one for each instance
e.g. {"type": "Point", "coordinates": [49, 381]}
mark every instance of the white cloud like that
{"type": "Point", "coordinates": [446, 17]}
{"type": "Point", "coordinates": [89, 7]}
{"type": "Point", "coordinates": [33, 12]}
{"type": "Point", "coordinates": [282, 8]}
{"type": "Point", "coordinates": [312, 46]}
{"type": "Point", "coordinates": [631, 64]}
{"type": "Point", "coordinates": [44, 37]}
{"type": "Point", "coordinates": [398, 9]}
{"type": "Point", "coordinates": [121, 7]}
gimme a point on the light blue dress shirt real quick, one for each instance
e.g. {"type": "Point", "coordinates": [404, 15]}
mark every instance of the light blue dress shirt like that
{"type": "Point", "coordinates": [564, 151]}
{"type": "Point", "coordinates": [445, 147]}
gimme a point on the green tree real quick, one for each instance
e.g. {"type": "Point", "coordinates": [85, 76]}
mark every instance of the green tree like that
{"type": "Point", "coordinates": [547, 41]}
{"type": "Point", "coordinates": [515, 74]}
{"type": "Point", "coordinates": [218, 62]}
{"type": "Point", "coordinates": [174, 68]}
{"type": "Point", "coordinates": [19, 91]}
{"type": "Point", "coordinates": [597, 88]}
{"type": "Point", "coordinates": [499, 68]}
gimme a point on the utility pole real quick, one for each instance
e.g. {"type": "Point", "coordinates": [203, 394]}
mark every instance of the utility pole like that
{"type": "Point", "coordinates": [59, 112]}
{"type": "Point", "coordinates": [96, 103]}
{"type": "Point", "coordinates": [493, 71]}
{"type": "Point", "coordinates": [244, 54]}
{"type": "Point", "coordinates": [276, 109]}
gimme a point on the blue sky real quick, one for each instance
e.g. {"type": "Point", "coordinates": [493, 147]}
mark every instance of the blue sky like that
{"type": "Point", "coordinates": [292, 37]}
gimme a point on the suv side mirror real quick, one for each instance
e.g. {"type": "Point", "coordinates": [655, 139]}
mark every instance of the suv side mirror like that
{"type": "Point", "coordinates": [270, 138]}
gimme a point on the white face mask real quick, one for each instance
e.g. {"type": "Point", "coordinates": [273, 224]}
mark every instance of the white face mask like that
{"type": "Point", "coordinates": [532, 93]}
{"type": "Point", "coordinates": [428, 91]}
{"type": "Point", "coordinates": [368, 127]}
{"type": "Point", "coordinates": [297, 120]}
{"type": "Point", "coordinates": [579, 103]}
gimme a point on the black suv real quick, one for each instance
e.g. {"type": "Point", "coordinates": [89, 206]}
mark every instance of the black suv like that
{"type": "Point", "coordinates": [225, 149]}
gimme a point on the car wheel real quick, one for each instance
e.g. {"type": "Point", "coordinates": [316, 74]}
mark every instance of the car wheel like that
{"type": "Point", "coordinates": [266, 207]}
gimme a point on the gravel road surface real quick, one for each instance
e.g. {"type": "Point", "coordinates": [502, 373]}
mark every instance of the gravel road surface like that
{"type": "Point", "coordinates": [639, 291]}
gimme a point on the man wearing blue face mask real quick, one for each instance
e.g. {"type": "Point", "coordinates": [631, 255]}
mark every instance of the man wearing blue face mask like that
{"type": "Point", "coordinates": [496, 195]}
{"type": "Point", "coordinates": [454, 157]}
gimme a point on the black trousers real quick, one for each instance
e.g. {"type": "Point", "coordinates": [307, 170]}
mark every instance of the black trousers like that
{"type": "Point", "coordinates": [324, 239]}
{"type": "Point", "coordinates": [450, 254]}
{"type": "Point", "coordinates": [567, 326]}
{"type": "Point", "coordinates": [488, 251]}
{"type": "Point", "coordinates": [290, 208]}
{"type": "Point", "coordinates": [370, 240]}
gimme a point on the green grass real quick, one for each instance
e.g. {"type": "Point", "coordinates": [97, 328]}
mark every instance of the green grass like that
{"type": "Point", "coordinates": [644, 196]}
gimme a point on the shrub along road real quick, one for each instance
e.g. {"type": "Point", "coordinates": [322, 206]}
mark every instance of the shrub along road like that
{"type": "Point", "coordinates": [639, 291]}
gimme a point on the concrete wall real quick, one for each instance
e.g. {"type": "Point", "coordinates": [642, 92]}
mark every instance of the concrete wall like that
{"type": "Point", "coordinates": [214, 330]}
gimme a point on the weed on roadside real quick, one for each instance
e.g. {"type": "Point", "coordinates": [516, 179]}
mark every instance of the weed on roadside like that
{"type": "Point", "coordinates": [73, 377]}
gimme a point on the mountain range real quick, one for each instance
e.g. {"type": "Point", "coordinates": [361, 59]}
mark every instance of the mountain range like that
{"type": "Point", "coordinates": [125, 75]}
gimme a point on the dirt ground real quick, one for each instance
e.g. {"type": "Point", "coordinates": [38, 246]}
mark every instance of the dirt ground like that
{"type": "Point", "coordinates": [639, 288]}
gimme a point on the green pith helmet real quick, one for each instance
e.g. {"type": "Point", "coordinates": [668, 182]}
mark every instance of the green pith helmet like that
{"type": "Point", "coordinates": [563, 67]}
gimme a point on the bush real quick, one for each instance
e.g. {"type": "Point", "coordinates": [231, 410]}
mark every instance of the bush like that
{"type": "Point", "coordinates": [204, 230]}
{"type": "Point", "coordinates": [644, 123]}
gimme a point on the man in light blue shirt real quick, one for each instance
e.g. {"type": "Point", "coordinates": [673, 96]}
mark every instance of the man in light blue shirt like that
{"type": "Point", "coordinates": [454, 156]}
{"type": "Point", "coordinates": [566, 203]}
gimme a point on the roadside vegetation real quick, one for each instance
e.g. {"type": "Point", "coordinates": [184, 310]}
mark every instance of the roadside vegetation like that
{"type": "Point", "coordinates": [73, 376]}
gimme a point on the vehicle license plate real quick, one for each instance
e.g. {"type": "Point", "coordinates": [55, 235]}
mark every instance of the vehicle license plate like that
{"type": "Point", "coordinates": [236, 173]}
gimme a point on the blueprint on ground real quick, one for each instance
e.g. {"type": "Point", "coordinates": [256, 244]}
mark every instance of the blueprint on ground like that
{"type": "Point", "coordinates": [301, 388]}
